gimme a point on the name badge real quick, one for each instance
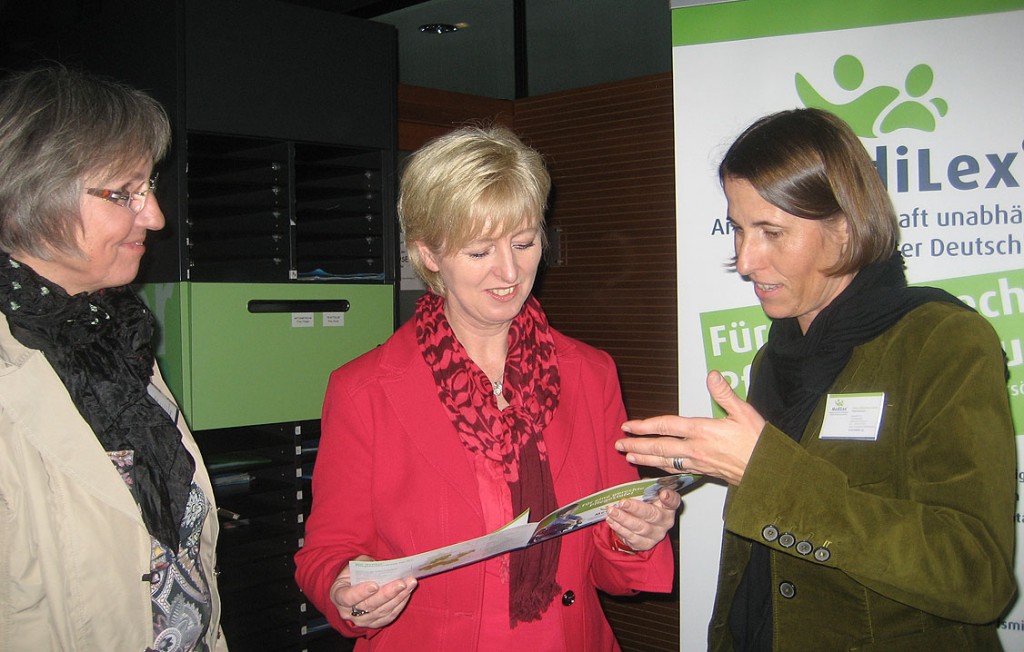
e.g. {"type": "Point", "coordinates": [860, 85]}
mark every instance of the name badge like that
{"type": "Point", "coordinates": [853, 416]}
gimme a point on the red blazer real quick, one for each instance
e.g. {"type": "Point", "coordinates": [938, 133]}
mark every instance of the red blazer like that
{"type": "Point", "coordinates": [392, 479]}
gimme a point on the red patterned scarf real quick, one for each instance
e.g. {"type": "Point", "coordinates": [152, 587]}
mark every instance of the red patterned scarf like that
{"type": "Point", "coordinates": [513, 437]}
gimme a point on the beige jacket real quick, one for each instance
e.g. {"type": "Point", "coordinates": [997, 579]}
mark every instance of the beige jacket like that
{"type": "Point", "coordinates": [73, 547]}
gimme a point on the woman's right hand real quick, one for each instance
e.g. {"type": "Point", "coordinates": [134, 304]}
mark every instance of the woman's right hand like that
{"type": "Point", "coordinates": [720, 448]}
{"type": "Point", "coordinates": [369, 605]}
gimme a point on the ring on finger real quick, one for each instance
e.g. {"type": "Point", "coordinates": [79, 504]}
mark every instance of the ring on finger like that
{"type": "Point", "coordinates": [677, 463]}
{"type": "Point", "coordinates": [356, 612]}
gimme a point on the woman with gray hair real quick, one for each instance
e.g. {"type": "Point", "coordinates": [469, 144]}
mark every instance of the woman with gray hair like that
{"type": "Point", "coordinates": [109, 527]}
{"type": "Point", "coordinates": [474, 411]}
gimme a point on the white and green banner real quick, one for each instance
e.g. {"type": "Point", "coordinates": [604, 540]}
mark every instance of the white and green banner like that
{"type": "Point", "coordinates": [933, 89]}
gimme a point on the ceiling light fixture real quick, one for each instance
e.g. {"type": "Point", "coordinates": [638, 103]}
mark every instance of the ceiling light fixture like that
{"type": "Point", "coordinates": [440, 28]}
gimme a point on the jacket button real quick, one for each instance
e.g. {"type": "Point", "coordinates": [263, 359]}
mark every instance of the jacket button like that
{"type": "Point", "coordinates": [568, 598]}
{"type": "Point", "coordinates": [786, 540]}
{"type": "Point", "coordinates": [787, 590]}
{"type": "Point", "coordinates": [822, 555]}
{"type": "Point", "coordinates": [804, 547]}
{"type": "Point", "coordinates": [770, 533]}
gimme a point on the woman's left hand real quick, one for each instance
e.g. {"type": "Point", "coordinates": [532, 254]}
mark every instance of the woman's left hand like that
{"type": "Point", "coordinates": [642, 525]}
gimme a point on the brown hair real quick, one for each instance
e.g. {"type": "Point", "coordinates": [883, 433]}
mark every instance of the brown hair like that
{"type": "Point", "coordinates": [809, 163]}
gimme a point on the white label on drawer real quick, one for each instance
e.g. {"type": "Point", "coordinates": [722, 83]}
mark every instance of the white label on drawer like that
{"type": "Point", "coordinates": [334, 319]}
{"type": "Point", "coordinates": [302, 320]}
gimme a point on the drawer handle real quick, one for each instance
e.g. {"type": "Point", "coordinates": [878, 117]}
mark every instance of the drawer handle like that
{"type": "Point", "coordinates": [298, 305]}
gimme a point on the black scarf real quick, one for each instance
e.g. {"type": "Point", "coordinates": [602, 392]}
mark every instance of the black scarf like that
{"type": "Point", "coordinates": [795, 371]}
{"type": "Point", "coordinates": [99, 346]}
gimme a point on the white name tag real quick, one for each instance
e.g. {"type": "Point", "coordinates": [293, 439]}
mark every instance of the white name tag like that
{"type": "Point", "coordinates": [853, 416]}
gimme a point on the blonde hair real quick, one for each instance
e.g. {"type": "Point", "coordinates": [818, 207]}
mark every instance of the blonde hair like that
{"type": "Point", "coordinates": [469, 182]}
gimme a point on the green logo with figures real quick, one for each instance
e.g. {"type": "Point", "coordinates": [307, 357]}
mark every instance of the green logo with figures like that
{"type": "Point", "coordinates": [881, 109]}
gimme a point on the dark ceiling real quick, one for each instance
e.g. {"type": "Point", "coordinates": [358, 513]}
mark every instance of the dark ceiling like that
{"type": "Point", "coordinates": [519, 48]}
{"type": "Point", "coordinates": [359, 8]}
{"type": "Point", "coordinates": [504, 49]}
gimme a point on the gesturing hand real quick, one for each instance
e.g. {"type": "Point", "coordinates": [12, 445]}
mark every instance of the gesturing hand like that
{"type": "Point", "coordinates": [369, 605]}
{"type": "Point", "coordinates": [719, 448]}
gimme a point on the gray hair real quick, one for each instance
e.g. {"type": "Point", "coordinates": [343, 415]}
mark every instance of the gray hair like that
{"type": "Point", "coordinates": [57, 127]}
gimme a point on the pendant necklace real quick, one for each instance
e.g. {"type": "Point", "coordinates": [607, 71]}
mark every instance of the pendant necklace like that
{"type": "Point", "coordinates": [497, 385]}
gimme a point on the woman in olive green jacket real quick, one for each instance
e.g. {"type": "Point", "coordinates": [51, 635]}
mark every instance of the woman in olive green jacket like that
{"type": "Point", "coordinates": [871, 473]}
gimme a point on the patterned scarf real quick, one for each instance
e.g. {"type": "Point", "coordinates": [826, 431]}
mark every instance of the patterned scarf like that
{"type": "Point", "coordinates": [513, 437]}
{"type": "Point", "coordinates": [99, 346]}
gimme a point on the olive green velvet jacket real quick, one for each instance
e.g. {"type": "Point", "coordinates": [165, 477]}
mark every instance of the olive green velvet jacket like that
{"type": "Point", "coordinates": [902, 543]}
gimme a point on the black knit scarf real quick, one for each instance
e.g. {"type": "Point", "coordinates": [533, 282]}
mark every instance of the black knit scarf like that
{"type": "Point", "coordinates": [795, 371]}
{"type": "Point", "coordinates": [99, 346]}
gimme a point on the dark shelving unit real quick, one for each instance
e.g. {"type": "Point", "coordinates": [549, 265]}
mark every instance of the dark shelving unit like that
{"type": "Point", "coordinates": [265, 210]}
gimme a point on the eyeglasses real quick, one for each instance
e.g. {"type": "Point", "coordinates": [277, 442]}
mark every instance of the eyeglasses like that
{"type": "Point", "coordinates": [133, 201]}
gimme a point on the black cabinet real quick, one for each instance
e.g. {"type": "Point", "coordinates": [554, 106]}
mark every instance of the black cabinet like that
{"type": "Point", "coordinates": [307, 80]}
{"type": "Point", "coordinates": [286, 141]}
{"type": "Point", "coordinates": [260, 476]}
{"type": "Point", "coordinates": [270, 210]}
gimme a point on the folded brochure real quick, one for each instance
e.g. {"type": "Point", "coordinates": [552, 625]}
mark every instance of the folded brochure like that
{"type": "Point", "coordinates": [519, 533]}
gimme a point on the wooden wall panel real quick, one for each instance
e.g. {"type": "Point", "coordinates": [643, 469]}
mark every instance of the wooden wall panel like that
{"type": "Point", "coordinates": [424, 113]}
{"type": "Point", "coordinates": [610, 149]}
